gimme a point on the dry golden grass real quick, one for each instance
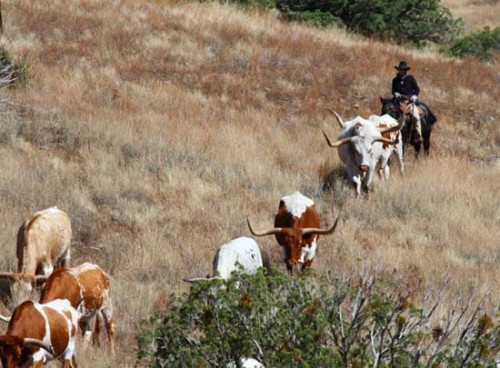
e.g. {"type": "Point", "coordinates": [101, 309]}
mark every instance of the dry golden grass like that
{"type": "Point", "coordinates": [476, 14]}
{"type": "Point", "coordinates": [159, 126]}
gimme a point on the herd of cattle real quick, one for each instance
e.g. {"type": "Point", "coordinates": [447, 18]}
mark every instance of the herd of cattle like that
{"type": "Point", "coordinates": [72, 297]}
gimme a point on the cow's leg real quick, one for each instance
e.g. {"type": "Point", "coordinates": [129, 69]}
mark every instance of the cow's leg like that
{"type": "Point", "coordinates": [368, 180]}
{"type": "Point", "coordinates": [47, 268]}
{"type": "Point", "coordinates": [86, 332]}
{"type": "Point", "coordinates": [354, 177]}
{"type": "Point", "coordinates": [70, 362]}
{"type": "Point", "coordinates": [400, 156]}
{"type": "Point", "coordinates": [65, 259]}
{"type": "Point", "coordinates": [110, 328]}
{"type": "Point", "coordinates": [97, 329]}
{"type": "Point", "coordinates": [383, 170]}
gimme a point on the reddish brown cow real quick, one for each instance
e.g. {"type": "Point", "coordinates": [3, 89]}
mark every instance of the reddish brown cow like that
{"type": "Point", "coordinates": [296, 228]}
{"type": "Point", "coordinates": [90, 282]}
{"type": "Point", "coordinates": [50, 326]}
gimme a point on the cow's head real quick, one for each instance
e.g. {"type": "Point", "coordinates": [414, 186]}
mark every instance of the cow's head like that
{"type": "Point", "coordinates": [15, 351]}
{"type": "Point", "coordinates": [16, 287]}
{"type": "Point", "coordinates": [362, 135]}
{"type": "Point", "coordinates": [295, 241]}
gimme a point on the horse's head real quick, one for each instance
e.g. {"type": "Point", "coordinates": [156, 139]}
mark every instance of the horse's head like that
{"type": "Point", "coordinates": [391, 106]}
{"type": "Point", "coordinates": [404, 106]}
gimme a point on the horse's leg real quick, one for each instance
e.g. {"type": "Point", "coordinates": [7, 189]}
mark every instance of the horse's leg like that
{"type": "Point", "coordinates": [427, 140]}
{"type": "Point", "coordinates": [417, 146]}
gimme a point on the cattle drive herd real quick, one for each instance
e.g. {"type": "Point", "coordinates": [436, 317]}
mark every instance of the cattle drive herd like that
{"type": "Point", "coordinates": [73, 297]}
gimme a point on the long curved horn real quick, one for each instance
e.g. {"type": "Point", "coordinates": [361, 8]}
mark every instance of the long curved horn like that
{"type": "Point", "coordinates": [196, 279]}
{"type": "Point", "coordinates": [392, 129]}
{"type": "Point", "coordinates": [311, 230]}
{"type": "Point", "coordinates": [339, 119]}
{"type": "Point", "coordinates": [337, 143]}
{"type": "Point", "coordinates": [385, 140]}
{"type": "Point", "coordinates": [272, 231]}
{"type": "Point", "coordinates": [39, 343]}
{"type": "Point", "coordinates": [4, 319]}
{"type": "Point", "coordinates": [7, 275]}
{"type": "Point", "coordinates": [39, 280]}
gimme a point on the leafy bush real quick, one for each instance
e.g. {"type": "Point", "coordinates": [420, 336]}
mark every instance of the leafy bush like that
{"type": "Point", "coordinates": [11, 72]}
{"type": "Point", "coordinates": [337, 321]}
{"type": "Point", "coordinates": [482, 45]}
{"type": "Point", "coordinates": [401, 20]}
{"type": "Point", "coordinates": [251, 4]}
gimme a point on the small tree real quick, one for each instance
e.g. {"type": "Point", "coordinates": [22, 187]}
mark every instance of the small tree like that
{"type": "Point", "coordinates": [337, 321]}
{"type": "Point", "coordinates": [484, 45]}
{"type": "Point", "coordinates": [401, 20]}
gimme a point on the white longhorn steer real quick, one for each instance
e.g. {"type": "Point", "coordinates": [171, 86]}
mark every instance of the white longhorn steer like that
{"type": "Point", "coordinates": [360, 149]}
{"type": "Point", "coordinates": [51, 327]}
{"type": "Point", "coordinates": [240, 252]}
{"type": "Point", "coordinates": [388, 150]}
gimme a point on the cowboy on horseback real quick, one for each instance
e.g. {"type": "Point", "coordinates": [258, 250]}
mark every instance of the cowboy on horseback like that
{"type": "Point", "coordinates": [405, 89]}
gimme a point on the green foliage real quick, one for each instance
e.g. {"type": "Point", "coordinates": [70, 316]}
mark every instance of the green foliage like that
{"type": "Point", "coordinates": [401, 20]}
{"type": "Point", "coordinates": [483, 45]}
{"type": "Point", "coordinates": [11, 72]}
{"type": "Point", "coordinates": [337, 321]}
{"type": "Point", "coordinates": [250, 4]}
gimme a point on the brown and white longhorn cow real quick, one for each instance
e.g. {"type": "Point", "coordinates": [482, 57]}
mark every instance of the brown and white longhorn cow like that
{"type": "Point", "coordinates": [90, 283]}
{"type": "Point", "coordinates": [296, 228]}
{"type": "Point", "coordinates": [50, 326]}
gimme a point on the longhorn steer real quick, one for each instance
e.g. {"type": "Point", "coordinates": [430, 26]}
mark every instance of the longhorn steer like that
{"type": "Point", "coordinates": [43, 242]}
{"type": "Point", "coordinates": [90, 282]}
{"type": "Point", "coordinates": [360, 149]}
{"type": "Point", "coordinates": [383, 123]}
{"type": "Point", "coordinates": [50, 326]}
{"type": "Point", "coordinates": [240, 252]}
{"type": "Point", "coordinates": [296, 228]}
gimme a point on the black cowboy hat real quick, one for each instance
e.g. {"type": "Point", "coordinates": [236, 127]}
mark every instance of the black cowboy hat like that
{"type": "Point", "coordinates": [402, 66]}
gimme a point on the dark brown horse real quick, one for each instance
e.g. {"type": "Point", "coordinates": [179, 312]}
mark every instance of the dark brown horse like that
{"type": "Point", "coordinates": [395, 107]}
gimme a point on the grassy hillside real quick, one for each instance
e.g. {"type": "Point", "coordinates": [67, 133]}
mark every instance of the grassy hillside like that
{"type": "Point", "coordinates": [159, 126]}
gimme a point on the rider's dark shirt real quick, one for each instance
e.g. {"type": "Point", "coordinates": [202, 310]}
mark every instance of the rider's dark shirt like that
{"type": "Point", "coordinates": [406, 85]}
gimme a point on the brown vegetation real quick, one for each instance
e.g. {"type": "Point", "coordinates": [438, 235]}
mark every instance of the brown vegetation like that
{"type": "Point", "coordinates": [159, 126]}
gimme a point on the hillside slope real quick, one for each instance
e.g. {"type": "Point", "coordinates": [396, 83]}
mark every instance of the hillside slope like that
{"type": "Point", "coordinates": [160, 126]}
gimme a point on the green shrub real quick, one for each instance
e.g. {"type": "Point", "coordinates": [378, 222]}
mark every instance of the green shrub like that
{"type": "Point", "coordinates": [484, 45]}
{"type": "Point", "coordinates": [336, 321]}
{"type": "Point", "coordinates": [11, 72]}
{"type": "Point", "coordinates": [401, 20]}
